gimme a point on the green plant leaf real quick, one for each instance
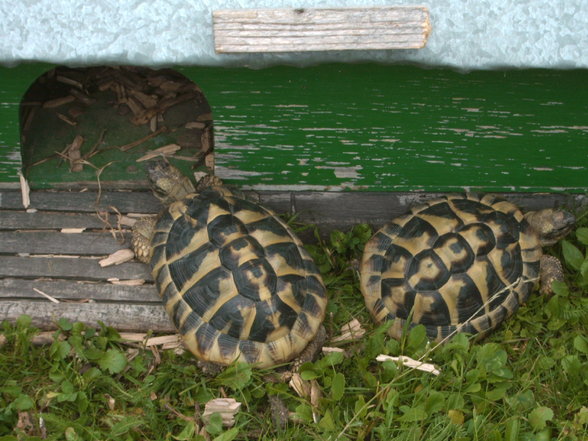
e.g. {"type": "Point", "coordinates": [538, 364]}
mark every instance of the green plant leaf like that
{"type": "Point", "coordinates": [572, 255]}
{"type": "Point", "coordinates": [236, 376]}
{"type": "Point", "coordinates": [538, 417]}
{"type": "Point", "coordinates": [214, 426]}
{"type": "Point", "coordinates": [64, 324]}
{"type": "Point", "coordinates": [412, 414]}
{"type": "Point", "coordinates": [338, 386]}
{"type": "Point", "coordinates": [229, 435]}
{"type": "Point", "coordinates": [60, 349]}
{"type": "Point", "coordinates": [71, 435]}
{"type": "Point", "coordinates": [417, 338]}
{"type": "Point", "coordinates": [187, 432]}
{"type": "Point", "coordinates": [435, 402]}
{"type": "Point", "coordinates": [582, 235]}
{"type": "Point", "coordinates": [326, 422]}
{"type": "Point", "coordinates": [456, 416]}
{"type": "Point", "coordinates": [124, 426]}
{"type": "Point", "coordinates": [511, 432]}
{"type": "Point", "coordinates": [560, 288]}
{"type": "Point", "coordinates": [113, 360]}
{"type": "Point", "coordinates": [581, 344]}
{"type": "Point", "coordinates": [23, 402]}
{"type": "Point", "coordinates": [522, 401]}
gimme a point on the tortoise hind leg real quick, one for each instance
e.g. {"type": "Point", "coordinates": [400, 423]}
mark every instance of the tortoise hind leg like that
{"type": "Point", "coordinates": [141, 238]}
{"type": "Point", "coordinates": [551, 271]}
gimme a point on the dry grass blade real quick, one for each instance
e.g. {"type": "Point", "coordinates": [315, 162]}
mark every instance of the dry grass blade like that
{"type": "Point", "coordinates": [47, 296]}
{"type": "Point", "coordinates": [166, 150]}
{"type": "Point", "coordinates": [25, 190]}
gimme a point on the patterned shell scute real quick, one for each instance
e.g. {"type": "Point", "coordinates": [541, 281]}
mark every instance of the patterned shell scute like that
{"type": "Point", "coordinates": [458, 263]}
{"type": "Point", "coordinates": [236, 281]}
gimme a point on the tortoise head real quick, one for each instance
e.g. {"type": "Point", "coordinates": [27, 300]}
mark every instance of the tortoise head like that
{"type": "Point", "coordinates": [169, 184]}
{"type": "Point", "coordinates": [551, 225]}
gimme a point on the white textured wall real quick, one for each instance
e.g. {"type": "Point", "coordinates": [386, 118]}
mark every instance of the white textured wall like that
{"type": "Point", "coordinates": [466, 34]}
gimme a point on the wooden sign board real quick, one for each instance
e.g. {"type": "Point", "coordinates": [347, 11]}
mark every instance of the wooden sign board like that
{"type": "Point", "coordinates": [291, 30]}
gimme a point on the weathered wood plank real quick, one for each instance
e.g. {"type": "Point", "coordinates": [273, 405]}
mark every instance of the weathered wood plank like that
{"type": "Point", "coordinates": [124, 201]}
{"type": "Point", "coordinates": [11, 288]}
{"type": "Point", "coordinates": [288, 30]}
{"type": "Point", "coordinates": [326, 209]}
{"type": "Point", "coordinates": [123, 317]}
{"type": "Point", "coordinates": [43, 220]}
{"type": "Point", "coordinates": [74, 268]}
{"type": "Point", "coordinates": [82, 244]}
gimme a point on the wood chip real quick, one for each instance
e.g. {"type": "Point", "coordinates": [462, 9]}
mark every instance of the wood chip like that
{"type": "Point", "coordinates": [166, 150]}
{"type": "Point", "coordinates": [130, 145]}
{"type": "Point", "coordinates": [25, 190]}
{"type": "Point", "coordinates": [227, 407]}
{"type": "Point", "coordinates": [130, 282]}
{"type": "Point", "coordinates": [350, 331]}
{"type": "Point", "coordinates": [118, 257]}
{"type": "Point", "coordinates": [411, 363]}
{"type": "Point", "coordinates": [195, 125]}
{"type": "Point", "coordinates": [70, 81]}
{"type": "Point", "coordinates": [145, 100]}
{"type": "Point", "coordinates": [67, 120]}
{"type": "Point", "coordinates": [82, 97]}
{"type": "Point", "coordinates": [57, 102]}
{"type": "Point", "coordinates": [72, 230]}
{"type": "Point", "coordinates": [74, 154]}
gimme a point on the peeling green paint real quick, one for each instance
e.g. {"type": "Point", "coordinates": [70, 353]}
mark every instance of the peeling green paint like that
{"type": "Point", "coordinates": [379, 128]}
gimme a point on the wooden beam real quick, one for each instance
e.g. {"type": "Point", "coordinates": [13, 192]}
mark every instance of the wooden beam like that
{"type": "Point", "coordinates": [290, 30]}
{"type": "Point", "coordinates": [74, 290]}
{"type": "Point", "coordinates": [80, 244]}
{"type": "Point", "coordinates": [70, 268]}
{"type": "Point", "coordinates": [123, 317]}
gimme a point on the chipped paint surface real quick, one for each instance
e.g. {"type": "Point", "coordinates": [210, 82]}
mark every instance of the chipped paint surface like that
{"type": "Point", "coordinates": [381, 128]}
{"type": "Point", "coordinates": [400, 129]}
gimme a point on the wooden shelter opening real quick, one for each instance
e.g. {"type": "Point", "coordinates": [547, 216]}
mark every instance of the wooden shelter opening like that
{"type": "Point", "coordinates": [84, 126]}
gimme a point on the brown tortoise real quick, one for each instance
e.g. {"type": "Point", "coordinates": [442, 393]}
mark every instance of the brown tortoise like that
{"type": "Point", "coordinates": [234, 278]}
{"type": "Point", "coordinates": [459, 264]}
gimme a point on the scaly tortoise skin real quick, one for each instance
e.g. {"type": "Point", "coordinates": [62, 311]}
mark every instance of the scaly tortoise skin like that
{"type": "Point", "coordinates": [459, 264]}
{"type": "Point", "coordinates": [236, 281]}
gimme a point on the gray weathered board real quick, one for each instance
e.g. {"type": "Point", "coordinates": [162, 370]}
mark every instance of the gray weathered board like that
{"type": "Point", "coordinates": [36, 255]}
{"type": "Point", "coordinates": [289, 30]}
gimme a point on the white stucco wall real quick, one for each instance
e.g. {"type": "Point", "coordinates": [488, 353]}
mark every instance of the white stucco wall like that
{"type": "Point", "coordinates": [465, 34]}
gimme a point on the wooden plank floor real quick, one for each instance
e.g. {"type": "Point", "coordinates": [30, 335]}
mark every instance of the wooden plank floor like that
{"type": "Point", "coordinates": [37, 256]}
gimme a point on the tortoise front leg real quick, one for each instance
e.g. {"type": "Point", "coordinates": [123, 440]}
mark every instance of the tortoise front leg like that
{"type": "Point", "coordinates": [551, 270]}
{"type": "Point", "coordinates": [141, 238]}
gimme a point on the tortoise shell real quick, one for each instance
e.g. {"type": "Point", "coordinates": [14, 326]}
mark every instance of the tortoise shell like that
{"type": "Point", "coordinates": [236, 281]}
{"type": "Point", "coordinates": [455, 264]}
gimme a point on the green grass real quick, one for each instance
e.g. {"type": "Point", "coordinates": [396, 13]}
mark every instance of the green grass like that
{"type": "Point", "coordinates": [526, 381]}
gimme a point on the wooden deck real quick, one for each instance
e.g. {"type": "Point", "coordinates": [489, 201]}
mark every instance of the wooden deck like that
{"type": "Point", "coordinates": [38, 256]}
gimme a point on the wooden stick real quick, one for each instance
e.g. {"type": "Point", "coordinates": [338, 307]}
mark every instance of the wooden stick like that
{"type": "Point", "coordinates": [130, 145]}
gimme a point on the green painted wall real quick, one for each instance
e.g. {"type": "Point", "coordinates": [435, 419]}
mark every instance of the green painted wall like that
{"type": "Point", "coordinates": [373, 127]}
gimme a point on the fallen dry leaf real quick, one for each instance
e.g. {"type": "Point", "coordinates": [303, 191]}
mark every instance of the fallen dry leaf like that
{"type": "Point", "coordinates": [349, 331]}
{"type": "Point", "coordinates": [227, 407]}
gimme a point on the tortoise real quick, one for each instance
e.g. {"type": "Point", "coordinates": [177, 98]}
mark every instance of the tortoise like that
{"type": "Point", "coordinates": [235, 280]}
{"type": "Point", "coordinates": [459, 263]}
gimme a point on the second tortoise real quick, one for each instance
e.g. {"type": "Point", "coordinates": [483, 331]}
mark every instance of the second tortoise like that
{"type": "Point", "coordinates": [459, 264]}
